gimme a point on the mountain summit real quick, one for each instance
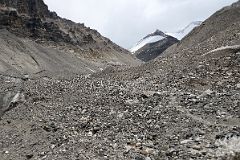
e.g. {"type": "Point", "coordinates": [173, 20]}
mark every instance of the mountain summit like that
{"type": "Point", "coordinates": [156, 33]}
{"type": "Point", "coordinates": [153, 45]}
{"type": "Point", "coordinates": [150, 38]}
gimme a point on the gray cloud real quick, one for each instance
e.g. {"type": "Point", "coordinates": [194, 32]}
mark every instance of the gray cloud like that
{"type": "Point", "coordinates": [127, 21]}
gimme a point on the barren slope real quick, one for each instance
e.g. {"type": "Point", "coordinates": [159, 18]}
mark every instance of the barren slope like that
{"type": "Point", "coordinates": [45, 42]}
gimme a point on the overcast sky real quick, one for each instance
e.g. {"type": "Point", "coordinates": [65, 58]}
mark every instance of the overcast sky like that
{"type": "Point", "coordinates": [127, 21]}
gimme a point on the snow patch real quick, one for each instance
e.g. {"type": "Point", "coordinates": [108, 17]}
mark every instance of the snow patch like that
{"type": "Point", "coordinates": [143, 42]}
{"type": "Point", "coordinates": [226, 47]}
{"type": "Point", "coordinates": [91, 70]}
{"type": "Point", "coordinates": [16, 98]}
{"type": "Point", "coordinates": [182, 33]}
{"type": "Point", "coordinates": [228, 146]}
{"type": "Point", "coordinates": [223, 48]}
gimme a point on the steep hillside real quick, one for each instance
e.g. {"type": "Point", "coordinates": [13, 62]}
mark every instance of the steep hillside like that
{"type": "Point", "coordinates": [23, 56]}
{"type": "Point", "coordinates": [30, 20]}
{"type": "Point", "coordinates": [194, 85]}
{"type": "Point", "coordinates": [224, 21]}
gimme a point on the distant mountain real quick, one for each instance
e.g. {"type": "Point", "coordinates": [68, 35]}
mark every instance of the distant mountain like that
{"type": "Point", "coordinates": [153, 45]}
{"type": "Point", "coordinates": [183, 32]}
{"type": "Point", "coordinates": [157, 42]}
{"type": "Point", "coordinates": [151, 38]}
{"type": "Point", "coordinates": [54, 45]}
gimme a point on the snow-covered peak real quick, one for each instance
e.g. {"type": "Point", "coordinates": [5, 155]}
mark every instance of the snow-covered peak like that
{"type": "Point", "coordinates": [159, 35]}
{"type": "Point", "coordinates": [183, 32]}
{"type": "Point", "coordinates": [151, 38]}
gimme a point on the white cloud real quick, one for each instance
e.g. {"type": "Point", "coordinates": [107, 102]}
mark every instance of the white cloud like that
{"type": "Point", "coordinates": [127, 21]}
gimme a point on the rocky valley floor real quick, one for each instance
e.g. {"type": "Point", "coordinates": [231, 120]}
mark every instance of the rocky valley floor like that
{"type": "Point", "coordinates": [125, 114]}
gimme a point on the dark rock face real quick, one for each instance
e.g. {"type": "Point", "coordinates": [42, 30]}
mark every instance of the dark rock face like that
{"type": "Point", "coordinates": [33, 8]}
{"type": "Point", "coordinates": [153, 50]}
{"type": "Point", "coordinates": [33, 27]}
{"type": "Point", "coordinates": [29, 22]}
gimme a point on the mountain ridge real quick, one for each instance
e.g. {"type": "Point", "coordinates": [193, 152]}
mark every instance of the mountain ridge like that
{"type": "Point", "coordinates": [31, 19]}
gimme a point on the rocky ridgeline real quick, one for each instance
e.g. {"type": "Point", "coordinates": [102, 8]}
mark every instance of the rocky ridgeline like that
{"type": "Point", "coordinates": [31, 18]}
